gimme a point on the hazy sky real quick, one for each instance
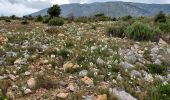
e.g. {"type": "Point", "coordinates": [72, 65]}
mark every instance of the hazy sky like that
{"type": "Point", "coordinates": [23, 7]}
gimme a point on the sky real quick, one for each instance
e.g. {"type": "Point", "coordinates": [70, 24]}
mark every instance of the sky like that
{"type": "Point", "coordinates": [24, 7]}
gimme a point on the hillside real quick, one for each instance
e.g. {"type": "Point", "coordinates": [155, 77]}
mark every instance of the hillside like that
{"type": "Point", "coordinates": [112, 9]}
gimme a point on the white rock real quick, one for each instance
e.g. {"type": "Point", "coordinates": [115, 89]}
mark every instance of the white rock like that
{"type": "Point", "coordinates": [62, 95]}
{"type": "Point", "coordinates": [122, 94]}
{"type": "Point", "coordinates": [126, 65]}
{"type": "Point", "coordinates": [83, 73]}
{"type": "Point", "coordinates": [100, 61]}
{"type": "Point", "coordinates": [155, 50]}
{"type": "Point", "coordinates": [158, 62]}
{"type": "Point", "coordinates": [12, 77]}
{"type": "Point", "coordinates": [162, 43]}
{"type": "Point", "coordinates": [135, 73]}
{"type": "Point", "coordinates": [27, 73]}
{"type": "Point", "coordinates": [27, 91]}
{"type": "Point", "coordinates": [168, 50]}
{"type": "Point", "coordinates": [119, 77]}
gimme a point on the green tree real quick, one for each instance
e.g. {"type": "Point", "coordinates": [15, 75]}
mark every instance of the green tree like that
{"type": "Point", "coordinates": [160, 17]}
{"type": "Point", "coordinates": [54, 11]}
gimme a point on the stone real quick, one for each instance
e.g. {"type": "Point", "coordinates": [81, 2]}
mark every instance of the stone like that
{"type": "Point", "coordinates": [135, 73]}
{"type": "Point", "coordinates": [100, 61]}
{"type": "Point", "coordinates": [126, 65]}
{"type": "Point", "coordinates": [83, 73]}
{"type": "Point", "coordinates": [31, 83]}
{"type": "Point", "coordinates": [27, 73]}
{"type": "Point", "coordinates": [18, 61]}
{"type": "Point", "coordinates": [102, 97]}
{"type": "Point", "coordinates": [155, 50]}
{"type": "Point", "coordinates": [70, 65]}
{"type": "Point", "coordinates": [87, 80]}
{"type": "Point", "coordinates": [162, 43]}
{"type": "Point", "coordinates": [89, 97]}
{"type": "Point", "coordinates": [168, 50]}
{"type": "Point", "coordinates": [114, 81]}
{"type": "Point", "coordinates": [119, 77]}
{"type": "Point", "coordinates": [63, 95]}
{"type": "Point", "coordinates": [27, 91]}
{"type": "Point", "coordinates": [71, 87]}
{"type": "Point", "coordinates": [131, 59]}
{"type": "Point", "coordinates": [158, 62]}
{"type": "Point", "coordinates": [122, 94]}
{"type": "Point", "coordinates": [12, 77]}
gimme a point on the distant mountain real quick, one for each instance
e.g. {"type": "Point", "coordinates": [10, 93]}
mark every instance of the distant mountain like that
{"type": "Point", "coordinates": [112, 9]}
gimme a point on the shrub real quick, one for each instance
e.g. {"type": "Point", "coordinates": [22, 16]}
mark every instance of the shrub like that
{"type": "Point", "coordinates": [24, 22]}
{"type": "Point", "coordinates": [7, 20]}
{"type": "Point", "coordinates": [4, 85]}
{"type": "Point", "coordinates": [142, 32]}
{"type": "Point", "coordinates": [161, 17]}
{"type": "Point", "coordinates": [82, 19]}
{"type": "Point", "coordinates": [126, 18]}
{"type": "Point", "coordinates": [165, 27]}
{"type": "Point", "coordinates": [164, 92]}
{"type": "Point", "coordinates": [54, 11]}
{"type": "Point", "coordinates": [116, 30]}
{"type": "Point", "coordinates": [39, 18]}
{"type": "Point", "coordinates": [46, 19]}
{"type": "Point", "coordinates": [157, 69]}
{"type": "Point", "coordinates": [56, 22]}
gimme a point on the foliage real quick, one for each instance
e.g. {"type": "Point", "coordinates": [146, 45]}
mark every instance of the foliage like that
{"type": "Point", "coordinates": [56, 22]}
{"type": "Point", "coordinates": [164, 92]}
{"type": "Point", "coordinates": [54, 11]}
{"type": "Point", "coordinates": [126, 18]}
{"type": "Point", "coordinates": [161, 17]}
{"type": "Point", "coordinates": [165, 27]}
{"type": "Point", "coordinates": [46, 19]}
{"type": "Point", "coordinates": [24, 22]}
{"type": "Point", "coordinates": [142, 32]}
{"type": "Point", "coordinates": [39, 18]}
{"type": "Point", "coordinates": [116, 30]}
{"type": "Point", "coordinates": [157, 69]}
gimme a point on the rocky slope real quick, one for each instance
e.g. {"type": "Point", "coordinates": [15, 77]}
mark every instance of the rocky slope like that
{"type": "Point", "coordinates": [77, 62]}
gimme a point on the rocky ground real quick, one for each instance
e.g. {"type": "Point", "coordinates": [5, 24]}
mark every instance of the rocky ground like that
{"type": "Point", "coordinates": [77, 61]}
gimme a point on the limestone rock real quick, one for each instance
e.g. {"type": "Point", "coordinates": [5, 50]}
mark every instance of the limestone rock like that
{"type": "Point", "coordinates": [87, 80]}
{"type": "Point", "coordinates": [63, 95]}
{"type": "Point", "coordinates": [31, 83]}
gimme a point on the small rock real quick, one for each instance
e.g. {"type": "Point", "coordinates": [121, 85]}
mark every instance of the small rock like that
{"type": "Point", "coordinates": [114, 81]}
{"type": "Point", "coordinates": [62, 83]}
{"type": "Point", "coordinates": [83, 73]}
{"type": "Point", "coordinates": [162, 43]}
{"type": "Point", "coordinates": [102, 97]}
{"type": "Point", "coordinates": [70, 65]}
{"type": "Point", "coordinates": [87, 80]}
{"type": "Point", "coordinates": [135, 73]}
{"type": "Point", "coordinates": [90, 97]}
{"type": "Point", "coordinates": [12, 77]}
{"type": "Point", "coordinates": [62, 95]}
{"type": "Point", "coordinates": [121, 94]}
{"type": "Point", "coordinates": [18, 61]}
{"type": "Point", "coordinates": [31, 83]}
{"type": "Point", "coordinates": [168, 50]}
{"type": "Point", "coordinates": [119, 77]}
{"type": "Point", "coordinates": [126, 65]}
{"type": "Point", "coordinates": [27, 73]}
{"type": "Point", "coordinates": [27, 91]}
{"type": "Point", "coordinates": [71, 87]}
{"type": "Point", "coordinates": [158, 62]}
{"type": "Point", "coordinates": [100, 61]}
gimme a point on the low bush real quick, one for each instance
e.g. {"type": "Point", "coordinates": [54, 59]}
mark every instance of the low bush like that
{"type": "Point", "coordinates": [24, 22]}
{"type": "Point", "coordinates": [39, 18]}
{"type": "Point", "coordinates": [160, 17]}
{"type": "Point", "coordinates": [142, 32]}
{"type": "Point", "coordinates": [164, 27]}
{"type": "Point", "coordinates": [46, 19]}
{"type": "Point", "coordinates": [164, 92]}
{"type": "Point", "coordinates": [157, 69]}
{"type": "Point", "coordinates": [56, 21]}
{"type": "Point", "coordinates": [116, 30]}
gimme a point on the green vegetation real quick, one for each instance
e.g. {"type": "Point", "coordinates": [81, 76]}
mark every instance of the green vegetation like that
{"type": "Point", "coordinates": [54, 11]}
{"type": "Point", "coordinates": [161, 17]}
{"type": "Point", "coordinates": [164, 91]}
{"type": "Point", "coordinates": [157, 69]}
{"type": "Point", "coordinates": [56, 22]}
{"type": "Point", "coordinates": [142, 32]}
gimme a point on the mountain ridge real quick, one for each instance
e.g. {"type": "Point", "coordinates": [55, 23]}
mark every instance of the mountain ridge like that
{"type": "Point", "coordinates": [111, 9]}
